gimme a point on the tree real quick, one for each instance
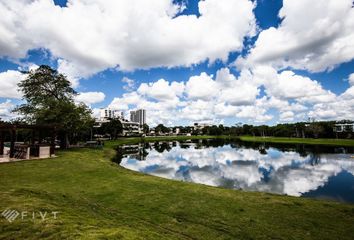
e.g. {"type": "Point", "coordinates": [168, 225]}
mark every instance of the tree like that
{"type": "Point", "coordinates": [315, 128]}
{"type": "Point", "coordinates": [146, 128]}
{"type": "Point", "coordinates": [50, 100]}
{"type": "Point", "coordinates": [215, 130]}
{"type": "Point", "coordinates": [113, 128]}
{"type": "Point", "coordinates": [161, 129]}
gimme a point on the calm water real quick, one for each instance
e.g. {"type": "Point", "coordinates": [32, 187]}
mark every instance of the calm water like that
{"type": "Point", "coordinates": [296, 170]}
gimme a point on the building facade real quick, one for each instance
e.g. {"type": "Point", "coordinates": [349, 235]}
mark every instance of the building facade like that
{"type": "Point", "coordinates": [107, 113]}
{"type": "Point", "coordinates": [131, 128]}
{"type": "Point", "coordinates": [138, 116]}
{"type": "Point", "coordinates": [343, 127]}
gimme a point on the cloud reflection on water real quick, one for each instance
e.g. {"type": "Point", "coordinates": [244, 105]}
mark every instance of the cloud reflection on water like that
{"type": "Point", "coordinates": [275, 171]}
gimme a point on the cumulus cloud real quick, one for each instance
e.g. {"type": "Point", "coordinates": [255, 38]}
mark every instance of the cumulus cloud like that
{"type": "Point", "coordinates": [8, 83]}
{"type": "Point", "coordinates": [241, 91]}
{"type": "Point", "coordinates": [203, 98]}
{"type": "Point", "coordinates": [95, 35]}
{"type": "Point", "coordinates": [90, 98]}
{"type": "Point", "coordinates": [199, 111]}
{"type": "Point", "coordinates": [129, 84]}
{"type": "Point", "coordinates": [161, 90]}
{"type": "Point", "coordinates": [341, 108]}
{"type": "Point", "coordinates": [315, 38]}
{"type": "Point", "coordinates": [201, 87]}
{"type": "Point", "coordinates": [287, 97]}
{"type": "Point", "coordinates": [256, 113]}
{"type": "Point", "coordinates": [351, 79]}
{"type": "Point", "coordinates": [287, 116]}
{"type": "Point", "coordinates": [288, 85]}
{"type": "Point", "coordinates": [5, 110]}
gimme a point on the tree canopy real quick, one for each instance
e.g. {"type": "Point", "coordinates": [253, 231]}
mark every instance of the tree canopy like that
{"type": "Point", "coordinates": [161, 129]}
{"type": "Point", "coordinates": [113, 128]}
{"type": "Point", "coordinates": [49, 99]}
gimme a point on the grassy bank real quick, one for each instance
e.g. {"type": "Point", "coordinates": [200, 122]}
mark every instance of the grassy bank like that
{"type": "Point", "coordinates": [97, 199]}
{"type": "Point", "coordinates": [320, 141]}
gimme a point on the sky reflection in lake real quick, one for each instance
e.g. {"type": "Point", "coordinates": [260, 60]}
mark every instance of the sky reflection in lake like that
{"type": "Point", "coordinates": [258, 168]}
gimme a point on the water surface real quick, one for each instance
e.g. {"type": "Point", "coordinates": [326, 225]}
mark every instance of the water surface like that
{"type": "Point", "coordinates": [298, 170]}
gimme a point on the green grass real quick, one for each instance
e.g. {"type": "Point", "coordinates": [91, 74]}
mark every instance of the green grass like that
{"type": "Point", "coordinates": [319, 141]}
{"type": "Point", "coordinates": [99, 200]}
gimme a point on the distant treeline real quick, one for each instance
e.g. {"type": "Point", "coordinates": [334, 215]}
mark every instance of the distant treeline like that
{"type": "Point", "coordinates": [320, 129]}
{"type": "Point", "coordinates": [313, 129]}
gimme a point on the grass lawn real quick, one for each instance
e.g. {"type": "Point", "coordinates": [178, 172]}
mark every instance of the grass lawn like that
{"type": "Point", "coordinates": [321, 141]}
{"type": "Point", "coordinates": [97, 199]}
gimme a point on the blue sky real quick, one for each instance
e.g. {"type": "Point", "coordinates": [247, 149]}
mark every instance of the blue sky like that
{"type": "Point", "coordinates": [301, 77]}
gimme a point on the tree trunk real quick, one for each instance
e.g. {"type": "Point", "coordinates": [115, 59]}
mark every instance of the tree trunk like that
{"type": "Point", "coordinates": [64, 140]}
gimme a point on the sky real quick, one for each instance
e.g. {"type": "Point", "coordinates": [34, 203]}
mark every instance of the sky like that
{"type": "Point", "coordinates": [212, 61]}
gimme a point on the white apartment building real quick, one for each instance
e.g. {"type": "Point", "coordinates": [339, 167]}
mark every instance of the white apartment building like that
{"type": "Point", "coordinates": [138, 116]}
{"type": "Point", "coordinates": [130, 128]}
{"type": "Point", "coordinates": [344, 127]}
{"type": "Point", "coordinates": [109, 113]}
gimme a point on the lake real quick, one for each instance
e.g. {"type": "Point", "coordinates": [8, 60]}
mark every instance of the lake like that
{"type": "Point", "coordinates": [322, 172]}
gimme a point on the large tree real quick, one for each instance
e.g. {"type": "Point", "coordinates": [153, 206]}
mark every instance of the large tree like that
{"type": "Point", "coordinates": [49, 99]}
{"type": "Point", "coordinates": [146, 128]}
{"type": "Point", "coordinates": [161, 129]}
{"type": "Point", "coordinates": [113, 128]}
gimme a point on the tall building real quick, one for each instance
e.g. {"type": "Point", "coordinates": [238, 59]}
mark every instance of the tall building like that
{"type": "Point", "coordinates": [138, 116]}
{"type": "Point", "coordinates": [109, 113]}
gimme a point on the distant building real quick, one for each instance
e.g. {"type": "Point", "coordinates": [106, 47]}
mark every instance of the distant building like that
{"type": "Point", "coordinates": [343, 127]}
{"type": "Point", "coordinates": [106, 113]}
{"type": "Point", "coordinates": [177, 130]}
{"type": "Point", "coordinates": [109, 113]}
{"type": "Point", "coordinates": [152, 131]}
{"type": "Point", "coordinates": [200, 126]}
{"type": "Point", "coordinates": [131, 128]}
{"type": "Point", "coordinates": [138, 116]}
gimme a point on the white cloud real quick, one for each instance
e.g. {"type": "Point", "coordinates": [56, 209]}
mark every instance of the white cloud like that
{"type": "Point", "coordinates": [161, 90]}
{"type": "Point", "coordinates": [314, 38]}
{"type": "Point", "coordinates": [287, 116]}
{"type": "Point", "coordinates": [199, 111]}
{"type": "Point", "coordinates": [351, 79]}
{"type": "Point", "coordinates": [96, 112]}
{"type": "Point", "coordinates": [5, 110]}
{"type": "Point", "coordinates": [8, 83]}
{"type": "Point", "coordinates": [124, 103]}
{"type": "Point", "coordinates": [201, 87]}
{"type": "Point", "coordinates": [287, 97]}
{"type": "Point", "coordinates": [129, 84]}
{"type": "Point", "coordinates": [90, 98]}
{"type": "Point", "coordinates": [348, 94]}
{"type": "Point", "coordinates": [95, 35]}
{"type": "Point", "coordinates": [282, 105]}
{"type": "Point", "coordinates": [242, 91]}
{"type": "Point", "coordinates": [341, 108]}
{"type": "Point", "coordinates": [72, 72]}
{"type": "Point", "coordinates": [257, 114]}
{"type": "Point", "coordinates": [288, 85]}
